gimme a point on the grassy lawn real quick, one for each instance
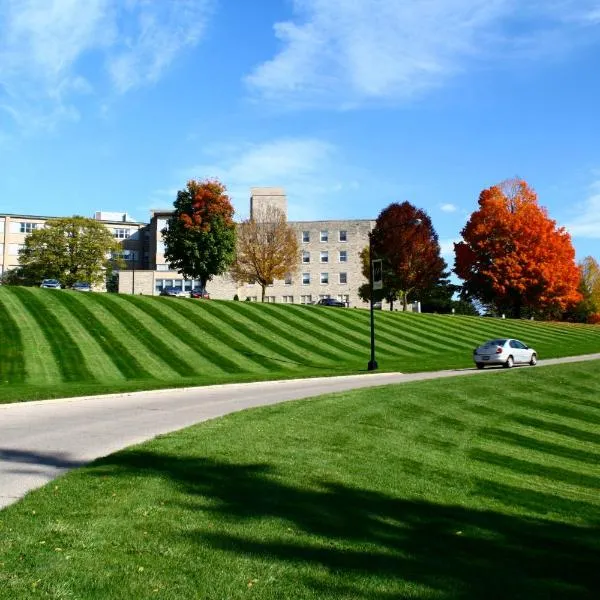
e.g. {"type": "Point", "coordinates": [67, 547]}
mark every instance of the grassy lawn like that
{"type": "Point", "coordinates": [62, 343]}
{"type": "Point", "coordinates": [478, 487]}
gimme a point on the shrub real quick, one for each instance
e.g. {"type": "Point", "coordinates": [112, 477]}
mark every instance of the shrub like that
{"type": "Point", "coordinates": [236, 298]}
{"type": "Point", "coordinates": [594, 319]}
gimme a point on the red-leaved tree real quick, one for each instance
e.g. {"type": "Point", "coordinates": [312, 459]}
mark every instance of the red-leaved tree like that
{"type": "Point", "coordinates": [514, 257]}
{"type": "Point", "coordinates": [405, 239]}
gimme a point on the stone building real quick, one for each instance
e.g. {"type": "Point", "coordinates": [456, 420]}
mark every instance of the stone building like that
{"type": "Point", "coordinates": [329, 265]}
{"type": "Point", "coordinates": [15, 228]}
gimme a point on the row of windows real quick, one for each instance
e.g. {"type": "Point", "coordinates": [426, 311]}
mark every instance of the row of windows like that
{"type": "Point", "coordinates": [323, 278]}
{"type": "Point", "coordinates": [179, 284]}
{"type": "Point", "coordinates": [121, 234]}
{"type": "Point", "coordinates": [324, 236]}
{"type": "Point", "coordinates": [324, 256]}
{"type": "Point", "coordinates": [304, 298]}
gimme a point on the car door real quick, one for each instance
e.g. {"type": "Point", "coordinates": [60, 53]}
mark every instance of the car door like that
{"type": "Point", "coordinates": [521, 352]}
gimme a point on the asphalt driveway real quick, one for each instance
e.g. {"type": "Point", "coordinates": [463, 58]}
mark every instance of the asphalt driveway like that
{"type": "Point", "coordinates": [41, 440]}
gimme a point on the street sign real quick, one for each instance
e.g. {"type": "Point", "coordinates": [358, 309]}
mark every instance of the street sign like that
{"type": "Point", "coordinates": [377, 274]}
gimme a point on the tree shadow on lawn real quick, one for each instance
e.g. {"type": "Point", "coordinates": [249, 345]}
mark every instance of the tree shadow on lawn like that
{"type": "Point", "coordinates": [369, 541]}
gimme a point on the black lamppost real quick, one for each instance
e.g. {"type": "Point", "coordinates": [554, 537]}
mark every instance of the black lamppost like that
{"type": "Point", "coordinates": [372, 365]}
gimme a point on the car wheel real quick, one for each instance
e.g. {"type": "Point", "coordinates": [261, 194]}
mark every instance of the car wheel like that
{"type": "Point", "coordinates": [533, 360]}
{"type": "Point", "coordinates": [509, 362]}
{"type": "Point", "coordinates": [479, 365]}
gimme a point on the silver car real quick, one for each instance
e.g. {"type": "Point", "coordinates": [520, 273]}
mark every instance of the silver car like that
{"type": "Point", "coordinates": [504, 351]}
{"type": "Point", "coordinates": [51, 284]}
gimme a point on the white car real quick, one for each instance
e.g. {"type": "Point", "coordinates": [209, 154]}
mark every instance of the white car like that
{"type": "Point", "coordinates": [504, 351]}
{"type": "Point", "coordinates": [51, 284]}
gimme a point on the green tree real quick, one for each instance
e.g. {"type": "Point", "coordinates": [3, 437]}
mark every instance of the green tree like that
{"type": "Point", "coordinates": [69, 249]}
{"type": "Point", "coordinates": [200, 235]}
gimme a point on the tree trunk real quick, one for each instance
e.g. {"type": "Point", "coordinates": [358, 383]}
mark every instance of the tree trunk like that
{"type": "Point", "coordinates": [263, 290]}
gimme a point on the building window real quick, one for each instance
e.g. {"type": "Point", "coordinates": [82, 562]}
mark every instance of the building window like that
{"type": "Point", "coordinates": [324, 236]}
{"type": "Point", "coordinates": [305, 278]}
{"type": "Point", "coordinates": [305, 237]}
{"type": "Point", "coordinates": [324, 256]}
{"type": "Point", "coordinates": [288, 279]}
{"type": "Point", "coordinates": [324, 277]}
{"type": "Point", "coordinates": [343, 256]}
{"type": "Point", "coordinates": [345, 298]}
{"type": "Point", "coordinates": [27, 227]}
{"type": "Point", "coordinates": [343, 277]}
{"type": "Point", "coordinates": [270, 299]}
{"type": "Point", "coordinates": [306, 299]}
{"type": "Point", "coordinates": [121, 234]}
{"type": "Point", "coordinates": [162, 267]}
{"type": "Point", "coordinates": [305, 256]}
{"type": "Point", "coordinates": [343, 236]}
{"type": "Point", "coordinates": [251, 298]}
{"type": "Point", "coordinates": [160, 248]}
{"type": "Point", "coordinates": [324, 296]}
{"type": "Point", "coordinates": [287, 299]}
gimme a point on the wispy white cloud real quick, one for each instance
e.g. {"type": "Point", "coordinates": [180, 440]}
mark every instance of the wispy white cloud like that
{"type": "Point", "coordinates": [311, 171]}
{"type": "Point", "coordinates": [342, 53]}
{"type": "Point", "coordinates": [46, 47]}
{"type": "Point", "coordinates": [587, 222]}
{"type": "Point", "coordinates": [448, 208]}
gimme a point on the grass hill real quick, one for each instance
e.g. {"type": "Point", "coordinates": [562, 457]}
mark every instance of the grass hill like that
{"type": "Point", "coordinates": [61, 343]}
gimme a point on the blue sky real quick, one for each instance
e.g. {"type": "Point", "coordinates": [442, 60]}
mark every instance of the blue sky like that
{"type": "Point", "coordinates": [347, 104]}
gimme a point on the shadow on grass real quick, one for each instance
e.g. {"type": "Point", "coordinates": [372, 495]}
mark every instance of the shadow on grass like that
{"type": "Point", "coordinates": [370, 541]}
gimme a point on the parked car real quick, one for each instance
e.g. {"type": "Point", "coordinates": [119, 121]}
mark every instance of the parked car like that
{"type": "Point", "coordinates": [172, 291]}
{"type": "Point", "coordinates": [200, 294]}
{"type": "Point", "coordinates": [504, 351]}
{"type": "Point", "coordinates": [51, 284]}
{"type": "Point", "coordinates": [330, 302]}
{"type": "Point", "coordinates": [81, 286]}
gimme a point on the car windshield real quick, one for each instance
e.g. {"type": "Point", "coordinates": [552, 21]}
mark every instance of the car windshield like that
{"type": "Point", "coordinates": [494, 343]}
{"type": "Point", "coordinates": [51, 281]}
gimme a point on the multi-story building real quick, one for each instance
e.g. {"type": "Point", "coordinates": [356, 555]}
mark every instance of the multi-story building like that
{"type": "Point", "coordinates": [329, 265]}
{"type": "Point", "coordinates": [15, 228]}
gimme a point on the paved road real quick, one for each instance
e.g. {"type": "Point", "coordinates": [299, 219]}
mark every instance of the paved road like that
{"type": "Point", "coordinates": [40, 440]}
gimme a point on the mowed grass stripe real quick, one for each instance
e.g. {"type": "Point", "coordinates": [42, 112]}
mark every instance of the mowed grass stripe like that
{"type": "Point", "coordinates": [244, 354]}
{"type": "Point", "coordinates": [40, 364]}
{"type": "Point", "coordinates": [270, 321]}
{"type": "Point", "coordinates": [147, 357]}
{"type": "Point", "coordinates": [285, 356]}
{"type": "Point", "coordinates": [163, 311]}
{"type": "Point", "coordinates": [388, 339]}
{"type": "Point", "coordinates": [12, 361]}
{"type": "Point", "coordinates": [312, 336]}
{"type": "Point", "coordinates": [136, 327]}
{"type": "Point", "coordinates": [534, 444]}
{"type": "Point", "coordinates": [459, 336]}
{"type": "Point", "coordinates": [97, 361]}
{"type": "Point", "coordinates": [331, 331]}
{"type": "Point", "coordinates": [566, 430]}
{"type": "Point", "coordinates": [120, 355]}
{"type": "Point", "coordinates": [64, 348]}
{"type": "Point", "coordinates": [424, 340]}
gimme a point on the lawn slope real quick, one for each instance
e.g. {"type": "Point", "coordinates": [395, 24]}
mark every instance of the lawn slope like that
{"type": "Point", "coordinates": [60, 343]}
{"type": "Point", "coordinates": [480, 487]}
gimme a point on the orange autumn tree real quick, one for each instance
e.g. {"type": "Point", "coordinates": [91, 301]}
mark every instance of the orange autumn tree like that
{"type": "Point", "coordinates": [514, 257]}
